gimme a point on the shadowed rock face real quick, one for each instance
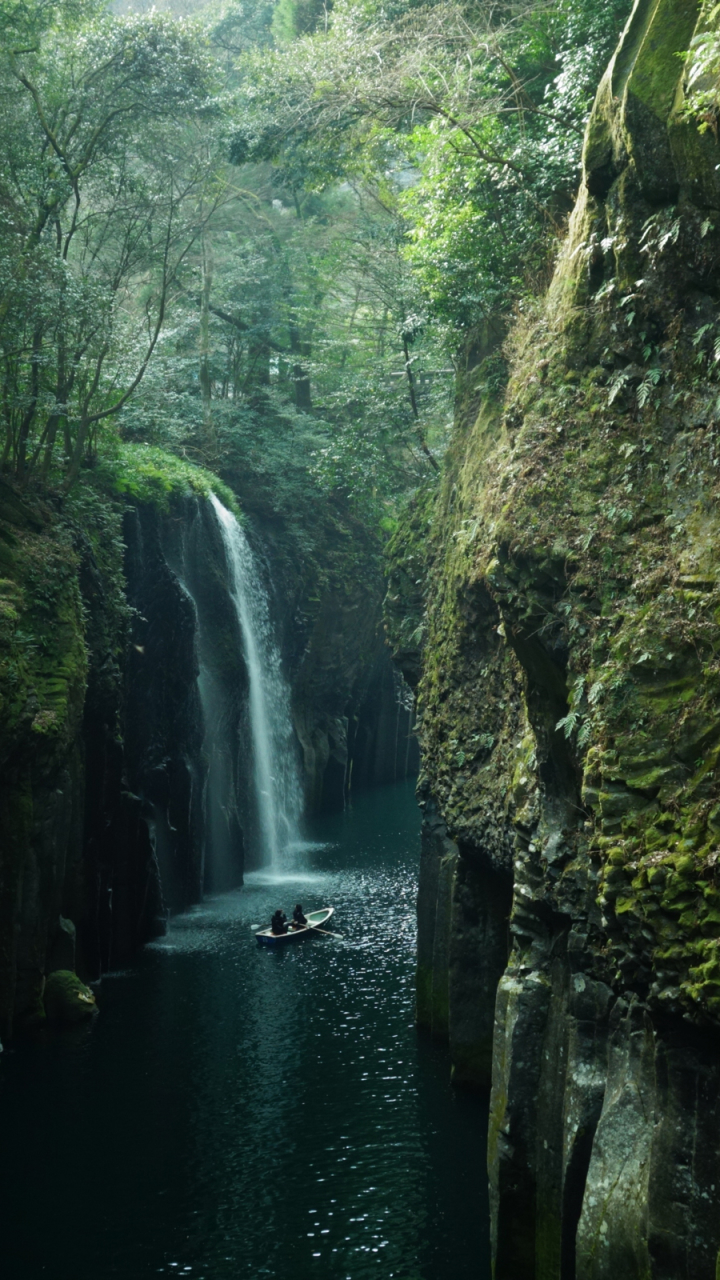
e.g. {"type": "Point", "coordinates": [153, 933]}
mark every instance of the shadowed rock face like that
{"type": "Point", "coordinates": [570, 704]}
{"type": "Point", "coordinates": [96, 736]}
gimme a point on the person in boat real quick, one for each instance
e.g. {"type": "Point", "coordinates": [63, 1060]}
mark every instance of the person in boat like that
{"type": "Point", "coordinates": [278, 924]}
{"type": "Point", "coordinates": [298, 920]}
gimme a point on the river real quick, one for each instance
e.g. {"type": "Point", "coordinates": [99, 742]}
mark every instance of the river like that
{"type": "Point", "coordinates": [241, 1112]}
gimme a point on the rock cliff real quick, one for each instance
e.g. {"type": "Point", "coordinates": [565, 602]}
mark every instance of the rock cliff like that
{"type": "Point", "coordinates": [568, 633]}
{"type": "Point", "coordinates": [102, 763]}
{"type": "Point", "coordinates": [352, 712]}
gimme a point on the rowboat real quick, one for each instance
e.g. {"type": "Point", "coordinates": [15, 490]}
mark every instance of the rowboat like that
{"type": "Point", "coordinates": [314, 920]}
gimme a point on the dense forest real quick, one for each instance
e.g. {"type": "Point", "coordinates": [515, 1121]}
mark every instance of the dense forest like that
{"type": "Point", "coordinates": [275, 234]}
{"type": "Point", "coordinates": [359, 385]}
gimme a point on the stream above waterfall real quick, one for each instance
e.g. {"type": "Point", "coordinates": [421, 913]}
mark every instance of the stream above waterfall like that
{"type": "Point", "coordinates": [240, 1112]}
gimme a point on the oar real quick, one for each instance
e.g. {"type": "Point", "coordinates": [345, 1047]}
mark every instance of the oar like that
{"type": "Point", "coordinates": [316, 928]}
{"type": "Point", "coordinates": [254, 928]}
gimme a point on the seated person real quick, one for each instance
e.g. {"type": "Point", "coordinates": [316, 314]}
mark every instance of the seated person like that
{"type": "Point", "coordinates": [278, 922]}
{"type": "Point", "coordinates": [298, 919]}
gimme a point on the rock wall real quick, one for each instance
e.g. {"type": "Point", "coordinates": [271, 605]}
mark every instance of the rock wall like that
{"type": "Point", "coordinates": [102, 765]}
{"type": "Point", "coordinates": [567, 635]}
{"type": "Point", "coordinates": [44, 670]}
{"type": "Point", "coordinates": [353, 715]}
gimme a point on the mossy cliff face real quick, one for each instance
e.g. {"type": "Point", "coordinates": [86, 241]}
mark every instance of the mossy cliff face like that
{"type": "Point", "coordinates": [43, 672]}
{"type": "Point", "coordinates": [100, 739]}
{"type": "Point", "coordinates": [571, 711]}
{"type": "Point", "coordinates": [115, 616]}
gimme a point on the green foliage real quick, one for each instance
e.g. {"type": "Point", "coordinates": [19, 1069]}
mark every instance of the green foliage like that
{"type": "Point", "coordinates": [702, 97]}
{"type": "Point", "coordinates": [148, 474]}
{"type": "Point", "coordinates": [498, 179]}
{"type": "Point", "coordinates": [293, 18]}
{"type": "Point", "coordinates": [471, 120]}
{"type": "Point", "coordinates": [102, 187]}
{"type": "Point", "coordinates": [301, 306]}
{"type": "Point", "coordinates": [404, 169]}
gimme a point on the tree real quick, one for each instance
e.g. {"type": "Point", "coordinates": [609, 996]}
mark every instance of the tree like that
{"type": "Point", "coordinates": [294, 349]}
{"type": "Point", "coordinates": [482, 108]}
{"type": "Point", "coordinates": [104, 186]}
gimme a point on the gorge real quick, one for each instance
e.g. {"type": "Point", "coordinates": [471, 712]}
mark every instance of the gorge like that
{"type": "Point", "coordinates": [103, 836]}
{"type": "Point", "coordinates": [360, 380]}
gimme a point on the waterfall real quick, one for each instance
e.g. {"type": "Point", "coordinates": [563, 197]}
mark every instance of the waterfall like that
{"type": "Point", "coordinates": [274, 765]}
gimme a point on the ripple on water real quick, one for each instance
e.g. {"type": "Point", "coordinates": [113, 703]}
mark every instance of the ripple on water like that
{"type": "Point", "coordinates": [240, 1111]}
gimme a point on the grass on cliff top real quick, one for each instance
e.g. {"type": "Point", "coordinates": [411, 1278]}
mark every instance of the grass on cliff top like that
{"type": "Point", "coordinates": [151, 475]}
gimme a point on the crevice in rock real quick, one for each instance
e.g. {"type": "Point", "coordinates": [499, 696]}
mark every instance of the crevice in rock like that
{"type": "Point", "coordinates": [573, 1194]}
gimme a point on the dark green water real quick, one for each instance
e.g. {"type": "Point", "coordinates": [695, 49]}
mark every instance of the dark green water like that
{"type": "Point", "coordinates": [240, 1112]}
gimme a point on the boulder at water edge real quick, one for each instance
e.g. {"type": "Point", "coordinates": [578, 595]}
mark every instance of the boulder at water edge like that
{"type": "Point", "coordinates": [67, 1000]}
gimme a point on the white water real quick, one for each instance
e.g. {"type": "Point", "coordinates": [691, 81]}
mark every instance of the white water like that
{"type": "Point", "coordinates": [274, 764]}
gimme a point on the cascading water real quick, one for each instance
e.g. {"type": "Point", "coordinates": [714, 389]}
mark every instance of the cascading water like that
{"type": "Point", "coordinates": [274, 765]}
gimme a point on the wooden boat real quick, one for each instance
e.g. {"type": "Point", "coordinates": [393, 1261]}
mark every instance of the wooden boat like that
{"type": "Point", "coordinates": [315, 919]}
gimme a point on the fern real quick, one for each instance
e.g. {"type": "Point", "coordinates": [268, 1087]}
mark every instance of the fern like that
{"type": "Point", "coordinates": [647, 386]}
{"type": "Point", "coordinates": [568, 723]}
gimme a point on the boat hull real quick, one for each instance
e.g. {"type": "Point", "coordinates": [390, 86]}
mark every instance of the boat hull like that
{"type": "Point", "coordinates": [316, 919]}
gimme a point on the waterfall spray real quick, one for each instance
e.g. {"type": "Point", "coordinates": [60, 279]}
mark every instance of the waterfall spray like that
{"type": "Point", "coordinates": [274, 764]}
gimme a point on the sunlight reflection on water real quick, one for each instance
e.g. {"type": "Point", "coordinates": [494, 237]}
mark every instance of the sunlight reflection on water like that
{"type": "Point", "coordinates": [238, 1110]}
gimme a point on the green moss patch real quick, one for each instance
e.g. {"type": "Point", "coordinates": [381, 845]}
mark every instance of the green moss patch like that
{"type": "Point", "coordinates": [67, 1000]}
{"type": "Point", "coordinates": [151, 475]}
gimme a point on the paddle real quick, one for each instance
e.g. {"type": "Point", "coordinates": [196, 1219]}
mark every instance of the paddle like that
{"type": "Point", "coordinates": [255, 927]}
{"type": "Point", "coordinates": [316, 929]}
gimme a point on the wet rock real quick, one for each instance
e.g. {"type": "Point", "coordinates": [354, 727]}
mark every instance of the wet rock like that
{"type": "Point", "coordinates": [478, 949]}
{"type": "Point", "coordinates": [438, 860]}
{"type": "Point", "coordinates": [68, 1001]}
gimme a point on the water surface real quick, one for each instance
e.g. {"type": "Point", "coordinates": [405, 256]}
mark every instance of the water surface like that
{"type": "Point", "coordinates": [241, 1112]}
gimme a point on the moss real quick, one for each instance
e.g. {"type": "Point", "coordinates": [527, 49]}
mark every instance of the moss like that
{"type": "Point", "coordinates": [43, 664]}
{"type": "Point", "coordinates": [496, 1122]}
{"type": "Point", "coordinates": [408, 559]}
{"type": "Point", "coordinates": [151, 475]}
{"type": "Point", "coordinates": [656, 68]}
{"type": "Point", "coordinates": [63, 617]}
{"type": "Point", "coordinates": [67, 1000]}
{"type": "Point", "coordinates": [575, 576]}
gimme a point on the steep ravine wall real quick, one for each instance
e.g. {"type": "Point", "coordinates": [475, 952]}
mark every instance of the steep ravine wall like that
{"type": "Point", "coordinates": [101, 789]}
{"type": "Point", "coordinates": [569, 691]}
